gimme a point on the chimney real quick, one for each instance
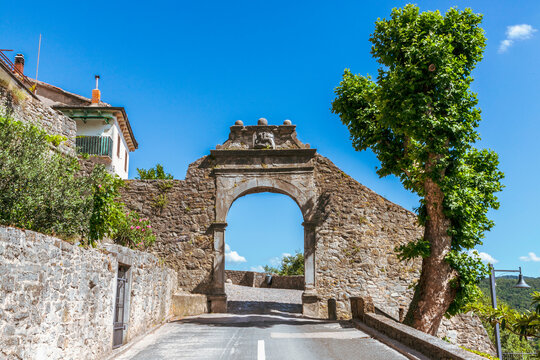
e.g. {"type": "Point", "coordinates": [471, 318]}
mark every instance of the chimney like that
{"type": "Point", "coordinates": [96, 94]}
{"type": "Point", "coordinates": [19, 64]}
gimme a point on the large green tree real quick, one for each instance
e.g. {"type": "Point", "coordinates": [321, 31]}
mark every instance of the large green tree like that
{"type": "Point", "coordinates": [419, 117]}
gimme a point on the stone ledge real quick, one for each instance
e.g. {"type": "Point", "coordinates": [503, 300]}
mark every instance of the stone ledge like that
{"type": "Point", "coordinates": [258, 170]}
{"type": "Point", "coordinates": [185, 304]}
{"type": "Point", "coordinates": [431, 346]}
{"type": "Point", "coordinates": [238, 153]}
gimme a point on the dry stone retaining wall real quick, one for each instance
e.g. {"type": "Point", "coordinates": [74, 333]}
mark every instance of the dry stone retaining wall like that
{"type": "Point", "coordinates": [21, 106]}
{"type": "Point", "coordinates": [57, 299]}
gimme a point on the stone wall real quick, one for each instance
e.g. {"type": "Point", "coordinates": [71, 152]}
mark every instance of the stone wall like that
{"type": "Point", "coordinates": [22, 106]}
{"type": "Point", "coordinates": [382, 328]}
{"type": "Point", "coordinates": [355, 229]}
{"type": "Point", "coordinates": [466, 330]}
{"type": "Point", "coordinates": [365, 227]}
{"type": "Point", "coordinates": [181, 223]}
{"type": "Point", "coordinates": [256, 279]}
{"type": "Point", "coordinates": [244, 278]}
{"type": "Point", "coordinates": [356, 235]}
{"type": "Point", "coordinates": [57, 299]}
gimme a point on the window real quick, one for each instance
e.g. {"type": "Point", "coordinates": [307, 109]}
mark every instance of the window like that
{"type": "Point", "coordinates": [118, 147]}
{"type": "Point", "coordinates": [125, 161]}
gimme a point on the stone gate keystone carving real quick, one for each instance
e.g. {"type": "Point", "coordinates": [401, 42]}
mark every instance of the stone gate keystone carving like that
{"type": "Point", "coordinates": [350, 232]}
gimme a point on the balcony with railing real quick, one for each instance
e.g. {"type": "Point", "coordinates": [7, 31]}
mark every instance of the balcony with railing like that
{"type": "Point", "coordinates": [95, 145]}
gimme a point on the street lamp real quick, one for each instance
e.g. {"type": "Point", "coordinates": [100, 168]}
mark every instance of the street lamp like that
{"type": "Point", "coordinates": [521, 284]}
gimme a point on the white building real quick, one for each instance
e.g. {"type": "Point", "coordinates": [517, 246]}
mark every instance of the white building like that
{"type": "Point", "coordinates": [103, 131]}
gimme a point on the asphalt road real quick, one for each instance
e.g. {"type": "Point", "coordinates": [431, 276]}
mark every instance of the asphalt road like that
{"type": "Point", "coordinates": [258, 337]}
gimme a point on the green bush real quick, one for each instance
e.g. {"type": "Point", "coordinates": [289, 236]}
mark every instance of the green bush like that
{"type": "Point", "coordinates": [134, 231]}
{"type": "Point", "coordinates": [153, 174]}
{"type": "Point", "coordinates": [107, 212]}
{"type": "Point", "coordinates": [40, 189]}
{"type": "Point", "coordinates": [43, 190]}
{"type": "Point", "coordinates": [290, 265]}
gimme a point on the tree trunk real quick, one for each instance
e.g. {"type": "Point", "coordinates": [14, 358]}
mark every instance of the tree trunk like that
{"type": "Point", "coordinates": [433, 294]}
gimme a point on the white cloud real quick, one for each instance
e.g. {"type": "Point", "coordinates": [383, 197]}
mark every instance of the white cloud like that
{"type": "Point", "coordinates": [257, 268]}
{"type": "Point", "coordinates": [531, 257]}
{"type": "Point", "coordinates": [485, 257]}
{"type": "Point", "coordinates": [233, 256]}
{"type": "Point", "coordinates": [505, 44]}
{"type": "Point", "coordinates": [520, 32]}
{"type": "Point", "coordinates": [276, 261]}
{"type": "Point", "coordinates": [514, 33]}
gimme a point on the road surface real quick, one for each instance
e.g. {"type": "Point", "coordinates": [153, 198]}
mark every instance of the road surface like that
{"type": "Point", "coordinates": [276, 336]}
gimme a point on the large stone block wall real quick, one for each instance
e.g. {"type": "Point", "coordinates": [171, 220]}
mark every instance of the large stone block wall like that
{"type": "Point", "coordinates": [357, 232]}
{"type": "Point", "coordinates": [18, 104]}
{"type": "Point", "coordinates": [181, 224]}
{"type": "Point", "coordinates": [57, 299]}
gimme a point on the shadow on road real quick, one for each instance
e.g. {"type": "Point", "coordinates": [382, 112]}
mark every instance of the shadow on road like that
{"type": "Point", "coordinates": [259, 321]}
{"type": "Point", "coordinates": [263, 307]}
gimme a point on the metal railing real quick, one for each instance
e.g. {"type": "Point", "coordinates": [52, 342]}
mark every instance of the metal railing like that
{"type": "Point", "coordinates": [11, 66]}
{"type": "Point", "coordinates": [94, 145]}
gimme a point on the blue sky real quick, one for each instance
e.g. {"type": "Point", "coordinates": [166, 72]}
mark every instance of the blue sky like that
{"type": "Point", "coordinates": [185, 71]}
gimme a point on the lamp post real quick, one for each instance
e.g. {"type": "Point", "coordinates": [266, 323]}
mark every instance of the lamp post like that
{"type": "Point", "coordinates": [520, 284]}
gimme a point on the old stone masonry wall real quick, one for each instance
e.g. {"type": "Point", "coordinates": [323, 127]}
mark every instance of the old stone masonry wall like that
{"type": "Point", "coordinates": [57, 300]}
{"type": "Point", "coordinates": [181, 212]}
{"type": "Point", "coordinates": [350, 231]}
{"type": "Point", "coordinates": [356, 237]}
{"type": "Point", "coordinates": [21, 106]}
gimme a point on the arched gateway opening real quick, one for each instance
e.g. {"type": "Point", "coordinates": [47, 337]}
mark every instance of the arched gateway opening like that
{"type": "Point", "coordinates": [241, 171]}
{"type": "Point", "coordinates": [262, 229]}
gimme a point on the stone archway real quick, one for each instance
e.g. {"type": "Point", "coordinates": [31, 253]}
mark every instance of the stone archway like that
{"type": "Point", "coordinates": [240, 168]}
{"type": "Point", "coordinates": [350, 232]}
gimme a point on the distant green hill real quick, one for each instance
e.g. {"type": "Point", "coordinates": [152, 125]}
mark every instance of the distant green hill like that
{"type": "Point", "coordinates": [519, 299]}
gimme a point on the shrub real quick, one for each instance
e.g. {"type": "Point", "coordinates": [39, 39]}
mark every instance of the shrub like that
{"type": "Point", "coordinates": [40, 188]}
{"type": "Point", "coordinates": [107, 211]}
{"type": "Point", "coordinates": [134, 231]}
{"type": "Point", "coordinates": [153, 173]}
{"type": "Point", "coordinates": [290, 265]}
{"type": "Point", "coordinates": [43, 190]}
